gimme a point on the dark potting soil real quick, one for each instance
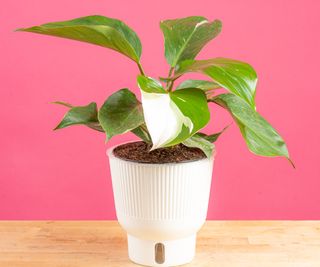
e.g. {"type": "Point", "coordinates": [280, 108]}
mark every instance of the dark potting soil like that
{"type": "Point", "coordinates": [140, 152]}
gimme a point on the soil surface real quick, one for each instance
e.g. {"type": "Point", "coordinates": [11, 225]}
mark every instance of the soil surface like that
{"type": "Point", "coordinates": [140, 152]}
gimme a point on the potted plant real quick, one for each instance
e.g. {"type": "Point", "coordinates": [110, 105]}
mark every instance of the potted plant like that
{"type": "Point", "coordinates": [161, 184]}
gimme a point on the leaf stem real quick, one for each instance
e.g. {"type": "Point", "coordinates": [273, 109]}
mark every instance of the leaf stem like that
{"type": "Point", "coordinates": [141, 69]}
{"type": "Point", "coordinates": [146, 132]}
{"type": "Point", "coordinates": [172, 82]}
{"type": "Point", "coordinates": [170, 71]}
{"type": "Point", "coordinates": [144, 127]}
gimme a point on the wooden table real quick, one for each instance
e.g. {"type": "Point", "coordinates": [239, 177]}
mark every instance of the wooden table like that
{"type": "Point", "coordinates": [103, 244]}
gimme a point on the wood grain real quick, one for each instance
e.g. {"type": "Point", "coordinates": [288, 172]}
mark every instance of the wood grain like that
{"type": "Point", "coordinates": [103, 244]}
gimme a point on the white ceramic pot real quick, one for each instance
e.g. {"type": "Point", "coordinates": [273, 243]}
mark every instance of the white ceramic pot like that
{"type": "Point", "coordinates": [161, 207]}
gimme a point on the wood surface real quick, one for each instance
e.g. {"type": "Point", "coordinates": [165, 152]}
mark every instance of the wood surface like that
{"type": "Point", "coordinates": [103, 244]}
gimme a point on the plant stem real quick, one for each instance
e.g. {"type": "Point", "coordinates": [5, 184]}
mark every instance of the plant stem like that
{"type": "Point", "coordinates": [141, 69]}
{"type": "Point", "coordinates": [169, 84]}
{"type": "Point", "coordinates": [172, 82]}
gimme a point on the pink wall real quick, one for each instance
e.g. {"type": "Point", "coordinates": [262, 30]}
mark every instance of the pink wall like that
{"type": "Point", "coordinates": [65, 175]}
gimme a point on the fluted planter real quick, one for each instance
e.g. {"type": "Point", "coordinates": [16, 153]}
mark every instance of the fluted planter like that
{"type": "Point", "coordinates": [161, 207]}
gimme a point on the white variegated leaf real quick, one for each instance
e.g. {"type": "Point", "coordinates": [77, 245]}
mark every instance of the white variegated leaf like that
{"type": "Point", "coordinates": [172, 117]}
{"type": "Point", "coordinates": [163, 118]}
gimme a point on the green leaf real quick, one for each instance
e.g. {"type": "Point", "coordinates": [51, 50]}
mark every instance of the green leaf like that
{"type": "Point", "coordinates": [85, 115]}
{"type": "Point", "coordinates": [184, 38]}
{"type": "Point", "coordinates": [199, 84]}
{"type": "Point", "coordinates": [211, 137]}
{"type": "Point", "coordinates": [98, 30]}
{"type": "Point", "coordinates": [192, 104]}
{"type": "Point", "coordinates": [150, 85]}
{"type": "Point", "coordinates": [261, 138]}
{"type": "Point", "coordinates": [197, 141]}
{"type": "Point", "coordinates": [120, 113]}
{"type": "Point", "coordinates": [236, 76]}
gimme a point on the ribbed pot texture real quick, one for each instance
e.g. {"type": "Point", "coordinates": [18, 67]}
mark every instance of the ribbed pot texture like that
{"type": "Point", "coordinates": [161, 207]}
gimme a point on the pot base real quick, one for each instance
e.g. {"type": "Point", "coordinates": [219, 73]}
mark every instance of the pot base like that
{"type": "Point", "coordinates": [161, 253]}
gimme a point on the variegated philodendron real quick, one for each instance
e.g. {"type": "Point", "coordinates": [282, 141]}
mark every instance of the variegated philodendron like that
{"type": "Point", "coordinates": [168, 115]}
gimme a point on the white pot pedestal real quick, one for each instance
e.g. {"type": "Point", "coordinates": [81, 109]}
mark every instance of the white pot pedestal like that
{"type": "Point", "coordinates": [164, 253]}
{"type": "Point", "coordinates": [161, 207]}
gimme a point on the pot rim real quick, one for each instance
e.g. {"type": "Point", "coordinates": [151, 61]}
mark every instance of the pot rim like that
{"type": "Point", "coordinates": [111, 155]}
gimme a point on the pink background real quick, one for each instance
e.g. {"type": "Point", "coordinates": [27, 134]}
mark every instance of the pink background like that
{"type": "Point", "coordinates": [65, 175]}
